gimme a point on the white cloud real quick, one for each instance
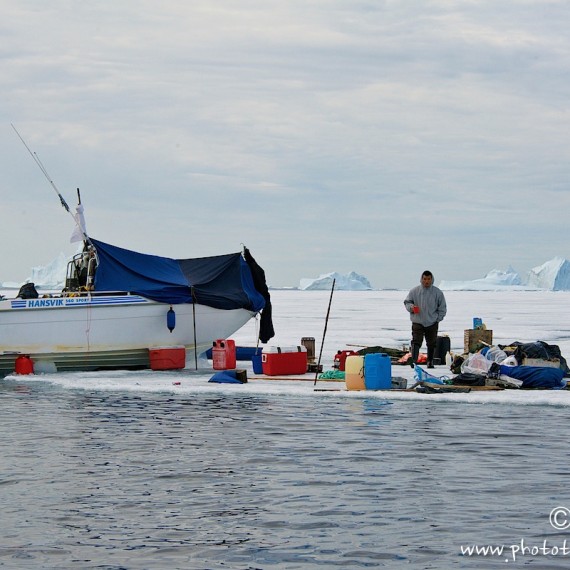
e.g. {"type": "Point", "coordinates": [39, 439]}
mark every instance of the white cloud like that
{"type": "Point", "coordinates": [380, 137]}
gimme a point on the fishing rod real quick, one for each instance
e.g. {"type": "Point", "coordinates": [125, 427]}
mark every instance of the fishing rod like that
{"type": "Point", "coordinates": [43, 169]}
{"type": "Point", "coordinates": [324, 333]}
{"type": "Point", "coordinates": [52, 184]}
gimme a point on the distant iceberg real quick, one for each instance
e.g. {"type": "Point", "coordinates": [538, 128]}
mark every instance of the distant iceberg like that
{"type": "Point", "coordinates": [350, 282]}
{"type": "Point", "coordinates": [554, 275]}
{"type": "Point", "coordinates": [51, 276]}
{"type": "Point", "coordinates": [495, 280]}
{"type": "Point", "coordinates": [507, 277]}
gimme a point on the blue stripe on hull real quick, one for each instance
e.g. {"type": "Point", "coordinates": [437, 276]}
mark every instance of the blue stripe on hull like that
{"type": "Point", "coordinates": [63, 302]}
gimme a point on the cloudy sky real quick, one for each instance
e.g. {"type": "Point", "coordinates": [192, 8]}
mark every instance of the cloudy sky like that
{"type": "Point", "coordinates": [378, 136]}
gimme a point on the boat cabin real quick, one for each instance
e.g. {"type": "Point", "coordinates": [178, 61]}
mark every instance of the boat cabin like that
{"type": "Point", "coordinates": [80, 274]}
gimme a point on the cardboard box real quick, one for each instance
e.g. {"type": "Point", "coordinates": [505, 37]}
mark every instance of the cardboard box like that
{"type": "Point", "coordinates": [309, 343]}
{"type": "Point", "coordinates": [541, 363]}
{"type": "Point", "coordinates": [167, 358]}
{"type": "Point", "coordinates": [474, 339]}
{"type": "Point", "coordinates": [283, 360]}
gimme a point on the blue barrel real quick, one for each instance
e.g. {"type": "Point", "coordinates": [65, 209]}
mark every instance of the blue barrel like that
{"type": "Point", "coordinates": [377, 371]}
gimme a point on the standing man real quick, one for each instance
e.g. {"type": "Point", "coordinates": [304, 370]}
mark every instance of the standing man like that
{"type": "Point", "coordinates": [426, 305]}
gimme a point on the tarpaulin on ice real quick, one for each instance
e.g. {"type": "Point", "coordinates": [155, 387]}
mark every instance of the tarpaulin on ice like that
{"type": "Point", "coordinates": [536, 376]}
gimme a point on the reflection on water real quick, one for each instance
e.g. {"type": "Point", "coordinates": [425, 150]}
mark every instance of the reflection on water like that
{"type": "Point", "coordinates": [115, 480]}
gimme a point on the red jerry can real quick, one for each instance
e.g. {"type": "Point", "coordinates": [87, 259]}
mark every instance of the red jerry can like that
{"type": "Point", "coordinates": [340, 358]}
{"type": "Point", "coordinates": [224, 354]}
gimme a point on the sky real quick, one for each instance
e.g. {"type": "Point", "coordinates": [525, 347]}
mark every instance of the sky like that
{"type": "Point", "coordinates": [382, 137]}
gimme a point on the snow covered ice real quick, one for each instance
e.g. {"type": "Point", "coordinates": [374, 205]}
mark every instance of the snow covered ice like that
{"type": "Point", "coordinates": [366, 317]}
{"type": "Point", "coordinates": [357, 319]}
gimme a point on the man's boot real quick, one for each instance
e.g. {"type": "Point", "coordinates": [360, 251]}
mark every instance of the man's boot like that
{"type": "Point", "coordinates": [415, 354]}
{"type": "Point", "coordinates": [430, 353]}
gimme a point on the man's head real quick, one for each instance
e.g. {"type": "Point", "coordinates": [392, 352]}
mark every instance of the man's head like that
{"type": "Point", "coordinates": [427, 278]}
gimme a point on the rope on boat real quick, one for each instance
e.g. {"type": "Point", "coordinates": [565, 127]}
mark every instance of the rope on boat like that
{"type": "Point", "coordinates": [48, 177]}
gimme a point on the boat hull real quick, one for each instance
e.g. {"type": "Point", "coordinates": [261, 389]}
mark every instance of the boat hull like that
{"type": "Point", "coordinates": [106, 331]}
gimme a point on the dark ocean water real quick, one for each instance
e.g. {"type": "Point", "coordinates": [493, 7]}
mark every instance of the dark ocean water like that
{"type": "Point", "coordinates": [95, 479]}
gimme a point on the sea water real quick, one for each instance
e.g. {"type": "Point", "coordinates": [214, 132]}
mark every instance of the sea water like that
{"type": "Point", "coordinates": [154, 470]}
{"type": "Point", "coordinates": [106, 479]}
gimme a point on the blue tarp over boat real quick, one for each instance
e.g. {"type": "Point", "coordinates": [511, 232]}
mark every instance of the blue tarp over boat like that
{"type": "Point", "coordinates": [223, 281]}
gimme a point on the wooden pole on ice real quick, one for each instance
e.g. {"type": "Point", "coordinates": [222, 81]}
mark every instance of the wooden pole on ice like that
{"type": "Point", "coordinates": [194, 321]}
{"type": "Point", "coordinates": [324, 333]}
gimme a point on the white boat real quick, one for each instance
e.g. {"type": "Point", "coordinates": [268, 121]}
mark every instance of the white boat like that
{"type": "Point", "coordinates": [118, 305]}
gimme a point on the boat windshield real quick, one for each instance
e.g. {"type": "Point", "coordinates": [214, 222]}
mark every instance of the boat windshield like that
{"type": "Point", "coordinates": [80, 275]}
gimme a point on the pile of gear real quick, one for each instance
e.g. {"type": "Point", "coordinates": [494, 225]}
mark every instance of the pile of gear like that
{"type": "Point", "coordinates": [535, 365]}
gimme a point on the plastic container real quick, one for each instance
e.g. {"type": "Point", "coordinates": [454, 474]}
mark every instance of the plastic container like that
{"type": "Point", "coordinates": [340, 358]}
{"type": "Point", "coordinates": [377, 371]}
{"type": "Point", "coordinates": [278, 360]}
{"type": "Point", "coordinates": [399, 383]}
{"type": "Point", "coordinates": [167, 358]}
{"type": "Point", "coordinates": [24, 365]}
{"type": "Point", "coordinates": [224, 354]}
{"type": "Point", "coordinates": [257, 364]}
{"type": "Point", "coordinates": [442, 349]}
{"type": "Point", "coordinates": [354, 373]}
{"type": "Point", "coordinates": [477, 323]}
{"type": "Point", "coordinates": [243, 353]}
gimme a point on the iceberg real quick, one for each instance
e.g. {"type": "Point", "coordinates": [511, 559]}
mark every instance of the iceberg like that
{"type": "Point", "coordinates": [507, 277]}
{"type": "Point", "coordinates": [350, 282]}
{"type": "Point", "coordinates": [495, 280]}
{"type": "Point", "coordinates": [50, 276]}
{"type": "Point", "coordinates": [553, 275]}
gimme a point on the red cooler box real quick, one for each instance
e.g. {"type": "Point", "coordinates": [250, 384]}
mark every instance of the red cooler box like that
{"type": "Point", "coordinates": [167, 358]}
{"type": "Point", "coordinates": [278, 360]}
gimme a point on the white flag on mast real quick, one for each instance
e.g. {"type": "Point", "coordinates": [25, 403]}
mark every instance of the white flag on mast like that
{"type": "Point", "coordinates": [80, 231]}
